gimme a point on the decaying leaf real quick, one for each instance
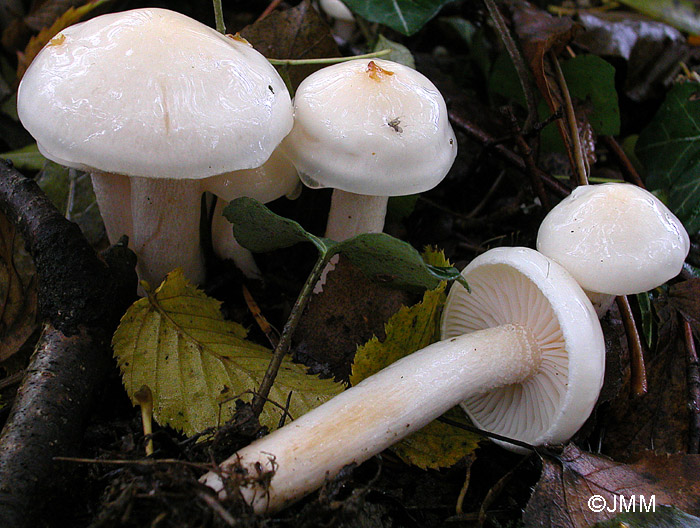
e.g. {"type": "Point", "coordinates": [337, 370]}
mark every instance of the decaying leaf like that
{"type": "Point", "coordinates": [297, 33]}
{"type": "Point", "coordinates": [18, 294]}
{"type": "Point", "coordinates": [660, 420]}
{"type": "Point", "coordinates": [176, 342]}
{"type": "Point", "coordinates": [683, 14]}
{"type": "Point", "coordinates": [563, 495]}
{"type": "Point", "coordinates": [70, 17]}
{"type": "Point", "coordinates": [661, 517]}
{"type": "Point", "coordinates": [438, 444]}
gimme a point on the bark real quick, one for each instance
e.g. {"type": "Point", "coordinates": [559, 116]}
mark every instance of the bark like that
{"type": "Point", "coordinates": [81, 297]}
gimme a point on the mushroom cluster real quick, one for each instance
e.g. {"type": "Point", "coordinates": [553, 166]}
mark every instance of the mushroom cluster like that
{"type": "Point", "coordinates": [158, 108]}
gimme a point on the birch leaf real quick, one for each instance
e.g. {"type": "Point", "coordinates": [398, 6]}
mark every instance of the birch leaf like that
{"type": "Point", "coordinates": [177, 343]}
{"type": "Point", "coordinates": [410, 329]}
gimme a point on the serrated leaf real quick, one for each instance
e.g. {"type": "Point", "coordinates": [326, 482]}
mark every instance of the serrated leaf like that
{"type": "Point", "coordinates": [378, 255]}
{"type": "Point", "coordinates": [404, 16]}
{"type": "Point", "coordinates": [411, 329]}
{"type": "Point", "coordinates": [177, 343]}
{"type": "Point", "coordinates": [669, 149]}
{"type": "Point", "coordinates": [37, 42]}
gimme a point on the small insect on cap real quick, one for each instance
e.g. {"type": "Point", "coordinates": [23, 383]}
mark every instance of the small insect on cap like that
{"type": "Point", "coordinates": [371, 127]}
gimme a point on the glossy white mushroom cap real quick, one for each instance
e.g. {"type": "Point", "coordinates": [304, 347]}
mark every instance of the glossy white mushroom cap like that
{"type": "Point", "coordinates": [614, 238]}
{"type": "Point", "coordinates": [336, 9]}
{"type": "Point", "coordinates": [275, 178]}
{"type": "Point", "coordinates": [372, 128]}
{"type": "Point", "coordinates": [521, 286]}
{"type": "Point", "coordinates": [151, 92]}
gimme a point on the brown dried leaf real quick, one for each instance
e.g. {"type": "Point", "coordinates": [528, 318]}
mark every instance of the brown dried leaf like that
{"type": "Point", "coordinates": [561, 497]}
{"type": "Point", "coordinates": [685, 297]}
{"type": "Point", "coordinates": [298, 33]}
{"type": "Point", "coordinates": [542, 37]}
{"type": "Point", "coordinates": [349, 311]}
{"type": "Point", "coordinates": [660, 419]}
{"type": "Point", "coordinates": [18, 295]}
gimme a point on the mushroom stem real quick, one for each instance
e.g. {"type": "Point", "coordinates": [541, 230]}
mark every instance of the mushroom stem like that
{"type": "Point", "coordinates": [113, 194]}
{"type": "Point", "coordinates": [352, 214]}
{"type": "Point", "coordinates": [166, 228]}
{"type": "Point", "coordinates": [226, 245]}
{"type": "Point", "coordinates": [378, 412]}
{"type": "Point", "coordinates": [601, 302]}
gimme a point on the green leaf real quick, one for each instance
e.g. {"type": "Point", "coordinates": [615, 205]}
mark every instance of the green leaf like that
{"type": "Point", "coordinates": [410, 329]}
{"type": "Point", "coordinates": [399, 52]}
{"type": "Point", "coordinates": [177, 343]}
{"type": "Point", "coordinates": [378, 255]}
{"type": "Point", "coordinates": [404, 16]}
{"type": "Point", "coordinates": [592, 78]}
{"type": "Point", "coordinates": [681, 14]}
{"type": "Point", "coordinates": [669, 149]}
{"type": "Point", "coordinates": [26, 158]}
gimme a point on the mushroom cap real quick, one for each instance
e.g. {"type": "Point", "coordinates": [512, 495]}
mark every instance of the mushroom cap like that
{"type": "Point", "coordinates": [336, 9]}
{"type": "Point", "coordinates": [522, 286]}
{"type": "Point", "coordinates": [274, 178]}
{"type": "Point", "coordinates": [371, 127]}
{"type": "Point", "coordinates": [614, 238]}
{"type": "Point", "coordinates": [154, 93]}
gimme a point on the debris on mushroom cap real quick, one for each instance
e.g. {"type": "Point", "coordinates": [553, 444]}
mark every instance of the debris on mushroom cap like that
{"type": "Point", "coordinates": [151, 92]}
{"type": "Point", "coordinates": [522, 286]}
{"type": "Point", "coordinates": [371, 127]}
{"type": "Point", "coordinates": [615, 238]}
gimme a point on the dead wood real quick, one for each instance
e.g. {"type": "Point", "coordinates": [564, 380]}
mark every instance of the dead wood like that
{"type": "Point", "coordinates": [81, 297]}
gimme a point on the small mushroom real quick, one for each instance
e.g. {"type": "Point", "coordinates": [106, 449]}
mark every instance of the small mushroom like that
{"type": "Point", "coordinates": [150, 102]}
{"type": "Point", "coordinates": [369, 129]}
{"type": "Point", "coordinates": [614, 239]}
{"type": "Point", "coordinates": [523, 354]}
{"type": "Point", "coordinates": [273, 179]}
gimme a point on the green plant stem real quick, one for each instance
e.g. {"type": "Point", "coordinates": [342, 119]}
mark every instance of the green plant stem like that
{"type": "Point", "coordinates": [287, 332]}
{"type": "Point", "coordinates": [328, 60]}
{"type": "Point", "coordinates": [219, 17]}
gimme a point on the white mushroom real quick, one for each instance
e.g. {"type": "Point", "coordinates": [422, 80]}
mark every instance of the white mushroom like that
{"type": "Point", "coordinates": [614, 239]}
{"type": "Point", "coordinates": [523, 354]}
{"type": "Point", "coordinates": [369, 129]}
{"type": "Point", "coordinates": [273, 179]}
{"type": "Point", "coordinates": [150, 101]}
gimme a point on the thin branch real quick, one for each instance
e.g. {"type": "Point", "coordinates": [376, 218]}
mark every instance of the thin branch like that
{"type": "Point", "coordinates": [638, 374]}
{"type": "Point", "coordinates": [481, 136]}
{"type": "Point", "coordinates": [518, 61]}
{"type": "Point", "coordinates": [623, 160]}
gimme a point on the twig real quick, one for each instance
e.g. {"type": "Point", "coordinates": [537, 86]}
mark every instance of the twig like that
{"type": "Point", "coordinates": [328, 60]}
{"type": "Point", "coordinates": [269, 9]}
{"type": "Point", "coordinates": [286, 337]}
{"type": "Point", "coordinates": [638, 375]}
{"type": "Point", "coordinates": [693, 388]}
{"type": "Point", "coordinates": [526, 153]}
{"type": "Point", "coordinates": [628, 169]}
{"type": "Point", "coordinates": [481, 136]}
{"type": "Point", "coordinates": [517, 59]}
{"type": "Point", "coordinates": [579, 164]}
{"type": "Point", "coordinates": [81, 300]}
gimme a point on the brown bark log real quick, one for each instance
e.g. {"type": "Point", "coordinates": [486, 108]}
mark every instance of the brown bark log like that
{"type": "Point", "coordinates": [81, 298]}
